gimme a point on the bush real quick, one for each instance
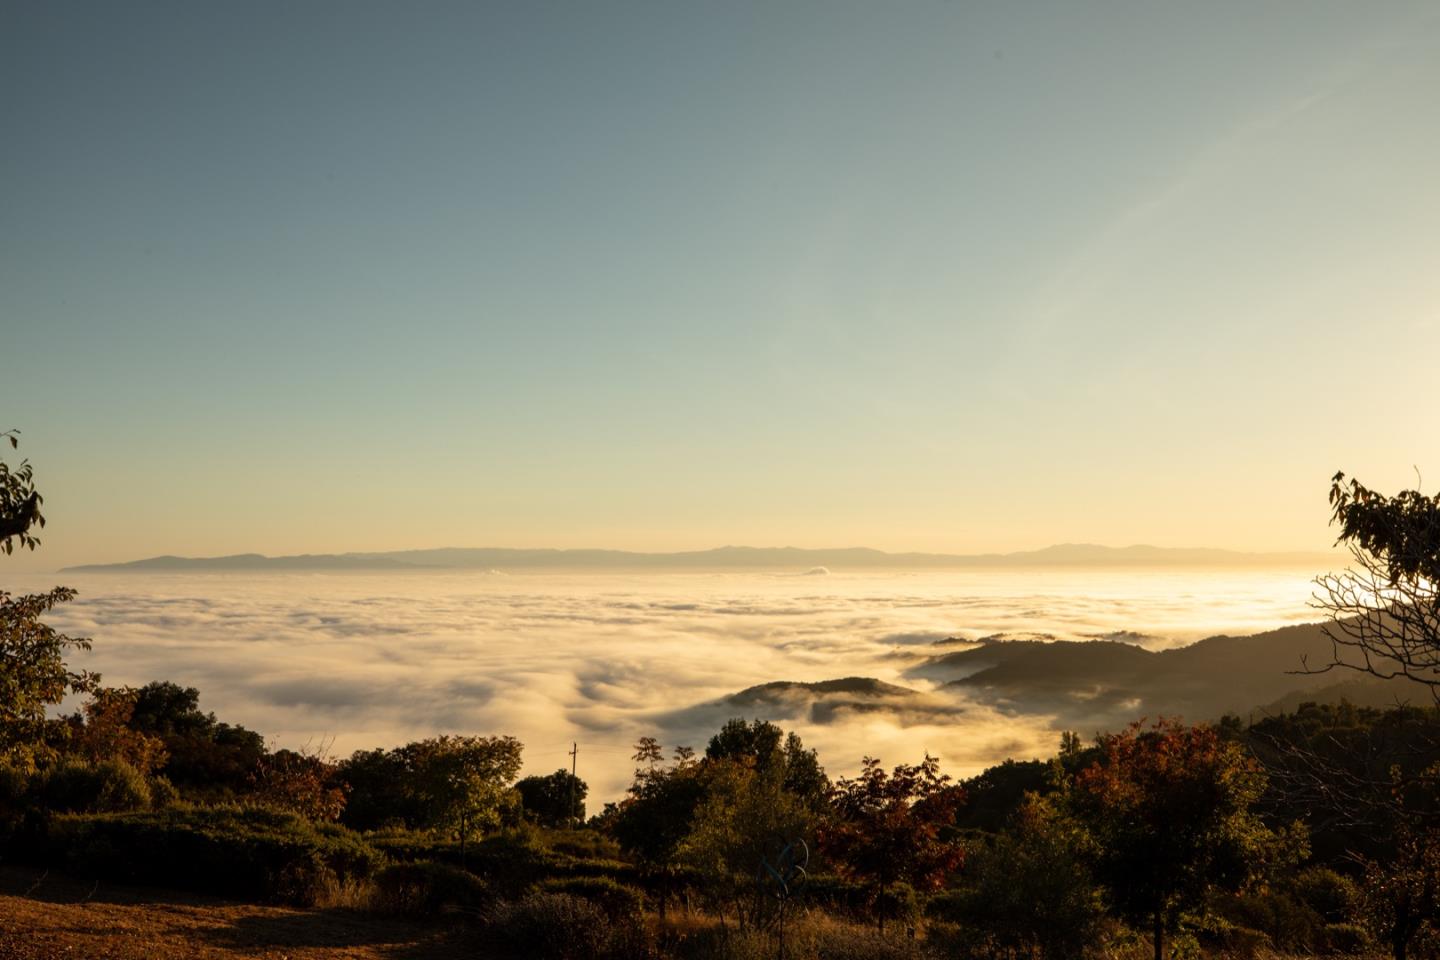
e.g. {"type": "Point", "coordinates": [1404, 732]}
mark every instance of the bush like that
{"type": "Point", "coordinates": [14, 784]}
{"type": "Point", "coordinates": [1347, 938]}
{"type": "Point", "coordinates": [899, 903]}
{"type": "Point", "coordinates": [1290, 924]}
{"type": "Point", "coordinates": [1241, 943]}
{"type": "Point", "coordinates": [1334, 897]}
{"type": "Point", "coordinates": [163, 793]}
{"type": "Point", "coordinates": [111, 786]}
{"type": "Point", "coordinates": [552, 926]}
{"type": "Point", "coordinates": [242, 852]}
{"type": "Point", "coordinates": [618, 901]}
{"type": "Point", "coordinates": [410, 845]}
{"type": "Point", "coordinates": [512, 862]}
{"type": "Point", "coordinates": [427, 888]}
{"type": "Point", "coordinates": [837, 895]}
{"type": "Point", "coordinates": [582, 844]}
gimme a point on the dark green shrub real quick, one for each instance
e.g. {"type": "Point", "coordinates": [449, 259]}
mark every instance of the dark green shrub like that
{"type": "Point", "coordinates": [616, 900]}
{"type": "Point", "coordinates": [14, 784]}
{"type": "Point", "coordinates": [898, 902]}
{"type": "Point", "coordinates": [427, 888]}
{"type": "Point", "coordinates": [837, 895]}
{"type": "Point", "coordinates": [1334, 897]}
{"type": "Point", "coordinates": [163, 793]}
{"type": "Point", "coordinates": [1288, 922]}
{"type": "Point", "coordinates": [950, 906]}
{"type": "Point", "coordinates": [111, 786]}
{"type": "Point", "coordinates": [407, 845]}
{"type": "Point", "coordinates": [304, 879]}
{"type": "Point", "coordinates": [581, 844]}
{"type": "Point", "coordinates": [511, 862]}
{"type": "Point", "coordinates": [552, 926]}
{"type": "Point", "coordinates": [1347, 938]}
{"type": "Point", "coordinates": [1240, 943]}
{"type": "Point", "coordinates": [247, 853]}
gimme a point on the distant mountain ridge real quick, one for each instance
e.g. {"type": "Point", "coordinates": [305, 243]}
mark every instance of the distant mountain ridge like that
{"type": "Point", "coordinates": [1089, 686]}
{"type": "Point", "coordinates": [502, 558]}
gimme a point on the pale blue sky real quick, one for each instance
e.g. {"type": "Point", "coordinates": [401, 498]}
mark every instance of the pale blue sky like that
{"type": "Point", "coordinates": [329, 276]}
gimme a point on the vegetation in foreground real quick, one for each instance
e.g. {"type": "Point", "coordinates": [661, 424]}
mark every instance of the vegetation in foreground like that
{"type": "Point", "coordinates": [1308, 833]}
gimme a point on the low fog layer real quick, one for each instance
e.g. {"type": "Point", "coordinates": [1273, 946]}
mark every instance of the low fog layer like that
{"type": "Point", "coordinates": [375, 659]}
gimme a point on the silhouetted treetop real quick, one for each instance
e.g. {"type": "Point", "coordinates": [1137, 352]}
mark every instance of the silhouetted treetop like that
{"type": "Point", "coordinates": [19, 501]}
{"type": "Point", "coordinates": [1401, 533]}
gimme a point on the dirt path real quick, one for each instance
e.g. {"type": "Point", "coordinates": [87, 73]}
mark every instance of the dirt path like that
{"type": "Point", "coordinates": [45, 917]}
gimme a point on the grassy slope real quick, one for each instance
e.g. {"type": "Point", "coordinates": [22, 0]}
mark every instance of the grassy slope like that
{"type": "Point", "coordinates": [46, 916]}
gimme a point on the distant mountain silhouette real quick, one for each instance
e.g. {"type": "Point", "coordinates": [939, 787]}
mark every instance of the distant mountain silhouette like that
{"type": "Point", "coordinates": [250, 561]}
{"type": "Point", "coordinates": [849, 686]}
{"type": "Point", "coordinates": [822, 702]}
{"type": "Point", "coordinates": [1107, 682]}
{"type": "Point", "coordinates": [500, 558]}
{"type": "Point", "coordinates": [1086, 685]}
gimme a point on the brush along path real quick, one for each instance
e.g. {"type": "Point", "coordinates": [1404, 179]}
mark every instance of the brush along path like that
{"type": "Point", "coordinates": [47, 917]}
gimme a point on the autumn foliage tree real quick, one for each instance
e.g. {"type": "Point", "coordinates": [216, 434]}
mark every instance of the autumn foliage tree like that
{"type": "Point", "coordinates": [304, 781]}
{"type": "Point", "coordinates": [1170, 811]}
{"type": "Point", "coordinates": [891, 828]}
{"type": "Point", "coordinates": [102, 730]}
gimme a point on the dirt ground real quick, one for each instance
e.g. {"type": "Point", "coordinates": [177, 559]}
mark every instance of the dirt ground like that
{"type": "Point", "coordinates": [45, 916]}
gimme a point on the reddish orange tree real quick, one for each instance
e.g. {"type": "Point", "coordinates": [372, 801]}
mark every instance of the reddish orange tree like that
{"type": "Point", "coordinates": [1169, 809]}
{"type": "Point", "coordinates": [305, 781]}
{"type": "Point", "coordinates": [890, 828]}
{"type": "Point", "coordinates": [102, 731]}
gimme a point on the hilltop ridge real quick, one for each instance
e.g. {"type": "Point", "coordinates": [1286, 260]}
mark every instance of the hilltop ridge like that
{"type": "Point", "coordinates": [490, 558]}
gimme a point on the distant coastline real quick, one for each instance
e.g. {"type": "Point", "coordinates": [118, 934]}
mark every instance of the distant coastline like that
{"type": "Point", "coordinates": [502, 558]}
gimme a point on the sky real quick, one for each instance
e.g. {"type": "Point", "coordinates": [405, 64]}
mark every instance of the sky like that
{"type": "Point", "coordinates": [313, 277]}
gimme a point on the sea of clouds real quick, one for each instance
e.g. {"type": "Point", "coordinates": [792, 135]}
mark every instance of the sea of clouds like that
{"type": "Point", "coordinates": [358, 660]}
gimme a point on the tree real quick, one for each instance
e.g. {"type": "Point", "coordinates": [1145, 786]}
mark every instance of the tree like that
{"type": "Point", "coordinates": [33, 672]}
{"type": "Point", "coordinates": [891, 828]}
{"type": "Point", "coordinates": [1384, 620]}
{"type": "Point", "coordinates": [304, 781]}
{"type": "Point", "coordinates": [555, 800]}
{"type": "Point", "coordinates": [102, 731]}
{"type": "Point", "coordinates": [767, 749]}
{"type": "Point", "coordinates": [649, 752]}
{"type": "Point", "coordinates": [1169, 811]}
{"type": "Point", "coordinates": [449, 783]}
{"type": "Point", "coordinates": [1385, 609]}
{"type": "Point", "coordinates": [205, 755]}
{"type": "Point", "coordinates": [1401, 894]}
{"type": "Point", "coordinates": [1031, 888]}
{"type": "Point", "coordinates": [657, 814]}
{"type": "Point", "coordinates": [19, 501]}
{"type": "Point", "coordinates": [461, 781]}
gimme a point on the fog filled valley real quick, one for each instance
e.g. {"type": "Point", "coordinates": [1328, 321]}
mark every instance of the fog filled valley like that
{"type": "Point", "coordinates": [1045, 762]}
{"type": "Point", "coordinates": [363, 660]}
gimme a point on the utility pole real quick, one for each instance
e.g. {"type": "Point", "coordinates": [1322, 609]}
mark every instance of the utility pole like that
{"type": "Point", "coordinates": [574, 760]}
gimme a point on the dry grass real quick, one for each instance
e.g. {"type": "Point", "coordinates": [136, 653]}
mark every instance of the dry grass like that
{"type": "Point", "coordinates": [47, 917]}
